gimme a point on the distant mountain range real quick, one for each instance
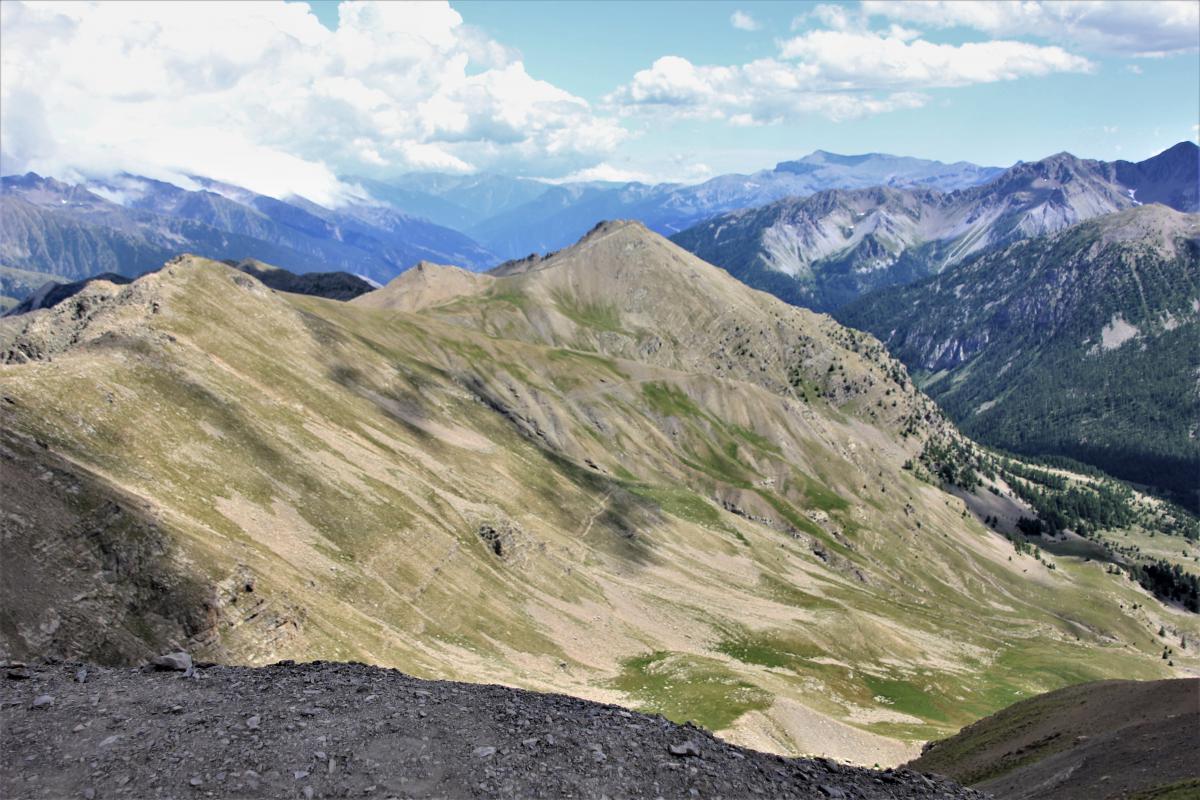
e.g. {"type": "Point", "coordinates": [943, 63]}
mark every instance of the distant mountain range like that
{"type": "Point", "coordinates": [129, 224]}
{"type": "Point", "coordinates": [819, 231]}
{"type": "Point", "coordinates": [514, 216]}
{"type": "Point", "coordinates": [826, 250]}
{"type": "Point", "coordinates": [1081, 343]}
{"type": "Point", "coordinates": [132, 225]}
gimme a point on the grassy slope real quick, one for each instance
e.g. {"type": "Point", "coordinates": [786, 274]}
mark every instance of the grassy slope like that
{"type": "Point", "coordinates": [348, 458]}
{"type": "Point", "coordinates": [1098, 740]}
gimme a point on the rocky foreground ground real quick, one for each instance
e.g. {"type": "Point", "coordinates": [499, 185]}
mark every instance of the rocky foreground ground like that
{"type": "Point", "coordinates": [348, 730]}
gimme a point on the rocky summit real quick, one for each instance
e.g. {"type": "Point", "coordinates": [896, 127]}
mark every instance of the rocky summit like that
{"type": "Point", "coordinates": [348, 730]}
{"type": "Point", "coordinates": [826, 250]}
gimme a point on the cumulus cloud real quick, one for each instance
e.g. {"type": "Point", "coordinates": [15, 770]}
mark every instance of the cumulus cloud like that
{"type": "Point", "coordinates": [872, 60]}
{"type": "Point", "coordinates": [264, 96]}
{"type": "Point", "coordinates": [1138, 28]}
{"type": "Point", "coordinates": [743, 21]}
{"type": "Point", "coordinates": [838, 73]}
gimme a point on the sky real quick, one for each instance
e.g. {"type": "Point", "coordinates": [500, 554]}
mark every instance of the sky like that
{"type": "Point", "coordinates": [297, 97]}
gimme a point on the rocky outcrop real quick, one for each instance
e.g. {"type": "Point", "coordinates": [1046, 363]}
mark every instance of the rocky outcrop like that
{"type": "Point", "coordinates": [826, 250]}
{"type": "Point", "coordinates": [348, 730]}
{"type": "Point", "coordinates": [87, 572]}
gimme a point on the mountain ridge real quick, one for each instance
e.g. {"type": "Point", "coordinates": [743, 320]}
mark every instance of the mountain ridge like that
{"type": "Point", "coordinates": [72, 231]}
{"type": "Point", "coordinates": [624, 475]}
{"type": "Point", "coordinates": [1011, 338]}
{"type": "Point", "coordinates": [517, 216]}
{"type": "Point", "coordinates": [828, 249]}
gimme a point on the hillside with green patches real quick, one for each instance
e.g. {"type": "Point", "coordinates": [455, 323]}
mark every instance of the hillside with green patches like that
{"type": "Point", "coordinates": [620, 474]}
{"type": "Point", "coordinates": [1082, 344]}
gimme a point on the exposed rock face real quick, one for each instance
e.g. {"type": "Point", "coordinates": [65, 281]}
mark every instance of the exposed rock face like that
{"type": "Point", "coordinates": [826, 250]}
{"type": "Point", "coordinates": [52, 293]}
{"type": "Point", "coordinates": [1042, 329]}
{"type": "Point", "coordinates": [339, 730]}
{"type": "Point", "coordinates": [334, 285]}
{"type": "Point", "coordinates": [87, 571]}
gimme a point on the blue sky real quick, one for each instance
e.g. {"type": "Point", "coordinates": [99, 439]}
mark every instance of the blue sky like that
{"type": "Point", "coordinates": [1129, 106]}
{"type": "Point", "coordinates": [1110, 113]}
{"type": "Point", "coordinates": [287, 97]}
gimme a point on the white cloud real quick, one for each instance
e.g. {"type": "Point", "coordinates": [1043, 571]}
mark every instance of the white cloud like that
{"type": "Point", "coordinates": [1140, 27]}
{"type": "Point", "coordinates": [836, 17]}
{"type": "Point", "coordinates": [872, 60]}
{"type": "Point", "coordinates": [263, 95]}
{"type": "Point", "coordinates": [1134, 68]}
{"type": "Point", "coordinates": [840, 74]}
{"type": "Point", "coordinates": [743, 21]}
{"type": "Point", "coordinates": [606, 172]}
{"type": "Point", "coordinates": [678, 169]}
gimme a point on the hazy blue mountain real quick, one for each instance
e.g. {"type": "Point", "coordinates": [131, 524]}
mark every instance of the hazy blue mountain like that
{"type": "Point", "coordinates": [463, 201]}
{"type": "Point", "coordinates": [17, 284]}
{"type": "Point", "coordinates": [828, 249]}
{"type": "Point", "coordinates": [133, 224]}
{"type": "Point", "coordinates": [514, 217]}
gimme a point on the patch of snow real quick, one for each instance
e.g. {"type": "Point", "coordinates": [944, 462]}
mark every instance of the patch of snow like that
{"type": "Point", "coordinates": [1116, 333]}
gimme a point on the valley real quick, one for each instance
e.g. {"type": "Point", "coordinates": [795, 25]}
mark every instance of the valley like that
{"type": "Point", "coordinates": [1018, 343]}
{"type": "Point", "coordinates": [617, 472]}
{"type": "Point", "coordinates": [457, 399]}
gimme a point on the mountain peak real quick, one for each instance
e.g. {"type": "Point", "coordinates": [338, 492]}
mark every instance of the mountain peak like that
{"type": "Point", "coordinates": [607, 226]}
{"type": "Point", "coordinates": [424, 285]}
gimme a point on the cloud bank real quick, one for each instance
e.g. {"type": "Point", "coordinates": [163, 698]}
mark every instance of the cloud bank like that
{"type": "Point", "coordinates": [1138, 27]}
{"type": "Point", "coordinates": [264, 96]}
{"type": "Point", "coordinates": [841, 73]}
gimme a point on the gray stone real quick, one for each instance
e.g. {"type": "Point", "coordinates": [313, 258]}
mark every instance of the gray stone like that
{"type": "Point", "coordinates": [687, 748]}
{"type": "Point", "coordinates": [180, 662]}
